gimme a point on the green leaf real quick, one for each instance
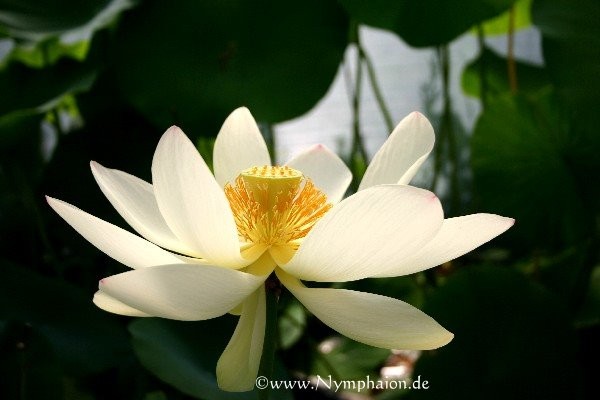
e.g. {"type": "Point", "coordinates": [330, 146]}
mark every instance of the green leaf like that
{"type": "Point", "coordinates": [522, 168]}
{"type": "Point", "coordinates": [37, 20]}
{"type": "Point", "coordinates": [405, 288]}
{"type": "Point", "coordinates": [24, 88]}
{"type": "Point", "coordinates": [17, 127]}
{"type": "Point", "coordinates": [19, 17]}
{"type": "Point", "coordinates": [589, 314]}
{"type": "Point", "coordinates": [426, 22]}
{"type": "Point", "coordinates": [185, 354]}
{"type": "Point", "coordinates": [571, 46]}
{"type": "Point", "coordinates": [531, 78]}
{"type": "Point", "coordinates": [499, 25]}
{"type": "Point", "coordinates": [28, 365]}
{"type": "Point", "coordinates": [85, 338]}
{"type": "Point", "coordinates": [292, 323]}
{"type": "Point", "coordinates": [38, 55]}
{"type": "Point", "coordinates": [345, 359]}
{"type": "Point", "coordinates": [512, 340]}
{"type": "Point", "coordinates": [277, 58]}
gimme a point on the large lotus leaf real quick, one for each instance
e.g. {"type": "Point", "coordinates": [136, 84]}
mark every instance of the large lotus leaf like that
{"type": "Point", "coordinates": [28, 364]}
{"type": "Point", "coordinates": [523, 167]}
{"type": "Point", "coordinates": [571, 45]}
{"type": "Point", "coordinates": [184, 354]}
{"type": "Point", "coordinates": [71, 20]}
{"type": "Point", "coordinates": [426, 22]}
{"type": "Point", "coordinates": [26, 88]}
{"type": "Point", "coordinates": [84, 338]}
{"type": "Point", "coordinates": [513, 340]}
{"type": "Point", "coordinates": [494, 69]}
{"type": "Point", "coordinates": [189, 62]}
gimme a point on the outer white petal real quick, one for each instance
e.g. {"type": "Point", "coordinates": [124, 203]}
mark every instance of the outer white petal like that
{"type": "Point", "coordinates": [110, 304]}
{"type": "Point", "coordinates": [457, 236]}
{"type": "Point", "coordinates": [117, 243]}
{"type": "Point", "coordinates": [183, 292]}
{"type": "Point", "coordinates": [398, 160]}
{"type": "Point", "coordinates": [134, 199]}
{"type": "Point", "coordinates": [327, 171]}
{"type": "Point", "coordinates": [376, 320]}
{"type": "Point", "coordinates": [371, 231]}
{"type": "Point", "coordinates": [192, 202]}
{"type": "Point", "coordinates": [239, 145]}
{"type": "Point", "coordinates": [238, 366]}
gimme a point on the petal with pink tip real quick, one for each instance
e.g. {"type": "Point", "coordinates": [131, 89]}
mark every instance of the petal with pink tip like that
{"type": "Point", "coordinates": [134, 199]}
{"type": "Point", "coordinates": [370, 231]}
{"type": "Point", "coordinates": [457, 236]}
{"type": "Point", "coordinates": [398, 160]}
{"type": "Point", "coordinates": [182, 292]}
{"type": "Point", "coordinates": [123, 246]}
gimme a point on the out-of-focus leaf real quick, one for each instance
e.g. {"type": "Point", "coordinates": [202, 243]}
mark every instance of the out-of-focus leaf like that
{"type": "Point", "coordinates": [18, 17]}
{"type": "Point", "coordinates": [495, 69]}
{"type": "Point", "coordinates": [39, 19]}
{"type": "Point", "coordinates": [426, 22]}
{"type": "Point", "coordinates": [277, 58]}
{"type": "Point", "coordinates": [16, 125]}
{"type": "Point", "coordinates": [513, 340]}
{"type": "Point", "coordinates": [156, 396]}
{"type": "Point", "coordinates": [292, 323]}
{"type": "Point", "coordinates": [51, 30]}
{"type": "Point", "coordinates": [185, 354]}
{"type": "Point", "coordinates": [84, 338]}
{"type": "Point", "coordinates": [571, 45]}
{"type": "Point", "coordinates": [24, 88]}
{"type": "Point", "coordinates": [7, 46]}
{"type": "Point", "coordinates": [28, 365]}
{"type": "Point", "coordinates": [522, 169]}
{"type": "Point", "coordinates": [40, 55]}
{"type": "Point", "coordinates": [499, 25]}
{"type": "Point", "coordinates": [590, 312]}
{"type": "Point", "coordinates": [404, 288]}
{"type": "Point", "coordinates": [345, 359]}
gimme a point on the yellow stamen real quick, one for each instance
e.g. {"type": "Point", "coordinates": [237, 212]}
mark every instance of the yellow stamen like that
{"type": "Point", "coordinates": [275, 206]}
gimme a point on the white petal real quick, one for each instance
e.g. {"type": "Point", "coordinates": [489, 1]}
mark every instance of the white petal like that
{"type": "Point", "coordinates": [117, 243]}
{"type": "Point", "coordinates": [398, 160]}
{"type": "Point", "coordinates": [110, 304]}
{"type": "Point", "coordinates": [192, 202]}
{"type": "Point", "coordinates": [457, 236]}
{"type": "Point", "coordinates": [134, 199]}
{"type": "Point", "coordinates": [183, 292]}
{"type": "Point", "coordinates": [327, 171]}
{"type": "Point", "coordinates": [238, 366]}
{"type": "Point", "coordinates": [376, 320]}
{"type": "Point", "coordinates": [239, 145]}
{"type": "Point", "coordinates": [370, 231]}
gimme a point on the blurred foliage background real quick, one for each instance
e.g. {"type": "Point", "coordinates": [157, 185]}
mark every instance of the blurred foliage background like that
{"type": "Point", "coordinates": [102, 79]}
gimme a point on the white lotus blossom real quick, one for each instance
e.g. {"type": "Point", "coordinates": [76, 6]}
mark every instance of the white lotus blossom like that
{"type": "Point", "coordinates": [208, 243]}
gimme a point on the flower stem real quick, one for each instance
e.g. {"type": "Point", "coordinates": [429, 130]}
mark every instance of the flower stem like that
{"type": "Point", "coordinates": [273, 290]}
{"type": "Point", "coordinates": [387, 117]}
{"type": "Point", "coordinates": [512, 68]}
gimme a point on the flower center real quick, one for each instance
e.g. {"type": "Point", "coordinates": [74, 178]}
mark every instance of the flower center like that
{"type": "Point", "coordinates": [274, 207]}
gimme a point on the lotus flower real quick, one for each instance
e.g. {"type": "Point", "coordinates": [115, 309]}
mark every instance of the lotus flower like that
{"type": "Point", "coordinates": [208, 243]}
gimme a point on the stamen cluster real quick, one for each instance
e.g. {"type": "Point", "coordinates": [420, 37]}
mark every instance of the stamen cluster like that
{"type": "Point", "coordinates": [275, 206]}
